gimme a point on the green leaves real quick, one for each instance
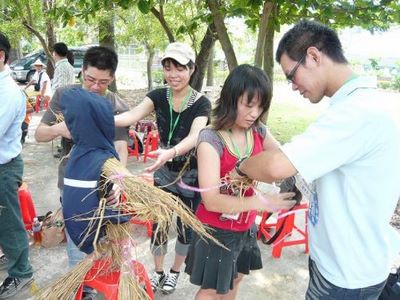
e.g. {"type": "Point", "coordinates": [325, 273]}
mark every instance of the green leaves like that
{"type": "Point", "coordinates": [144, 6]}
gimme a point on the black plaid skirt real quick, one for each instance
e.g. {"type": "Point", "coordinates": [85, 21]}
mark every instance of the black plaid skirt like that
{"type": "Point", "coordinates": [213, 267]}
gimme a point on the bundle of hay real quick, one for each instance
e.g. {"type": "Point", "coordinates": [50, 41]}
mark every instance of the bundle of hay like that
{"type": "Point", "coordinates": [146, 203]}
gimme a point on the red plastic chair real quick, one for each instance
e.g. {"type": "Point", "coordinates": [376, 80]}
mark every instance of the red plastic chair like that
{"type": "Point", "coordinates": [145, 126]}
{"type": "Point", "coordinates": [135, 150]}
{"type": "Point", "coordinates": [151, 144]}
{"type": "Point", "coordinates": [39, 100]}
{"type": "Point", "coordinates": [105, 281]}
{"type": "Point", "coordinates": [27, 207]}
{"type": "Point", "coordinates": [285, 237]}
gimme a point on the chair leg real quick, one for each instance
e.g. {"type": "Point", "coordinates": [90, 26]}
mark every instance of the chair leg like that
{"type": "Point", "coordinates": [37, 104]}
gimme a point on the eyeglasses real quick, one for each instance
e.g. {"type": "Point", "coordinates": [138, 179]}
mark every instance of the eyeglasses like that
{"type": "Point", "coordinates": [292, 73]}
{"type": "Point", "coordinates": [99, 82]}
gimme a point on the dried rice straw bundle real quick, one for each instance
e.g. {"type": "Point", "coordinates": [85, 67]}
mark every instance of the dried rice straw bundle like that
{"type": "Point", "coordinates": [149, 203]}
{"type": "Point", "coordinates": [68, 284]}
{"type": "Point", "coordinates": [59, 116]}
{"type": "Point", "coordinates": [129, 287]}
{"type": "Point", "coordinates": [121, 245]}
{"type": "Point", "coordinates": [240, 185]}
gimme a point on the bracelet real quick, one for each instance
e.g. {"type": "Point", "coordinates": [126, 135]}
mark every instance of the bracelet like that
{"type": "Point", "coordinates": [237, 167]}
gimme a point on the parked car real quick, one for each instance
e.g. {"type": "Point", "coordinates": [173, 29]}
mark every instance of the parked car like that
{"type": "Point", "coordinates": [22, 69]}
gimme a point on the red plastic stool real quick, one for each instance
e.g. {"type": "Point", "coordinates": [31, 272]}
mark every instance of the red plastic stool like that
{"type": "Point", "coordinates": [105, 281]}
{"type": "Point", "coordinates": [27, 207]}
{"type": "Point", "coordinates": [145, 126]}
{"type": "Point", "coordinates": [39, 100]}
{"type": "Point", "coordinates": [284, 240]}
{"type": "Point", "coordinates": [135, 150]}
{"type": "Point", "coordinates": [148, 224]}
{"type": "Point", "coordinates": [37, 103]}
{"type": "Point", "coordinates": [151, 144]}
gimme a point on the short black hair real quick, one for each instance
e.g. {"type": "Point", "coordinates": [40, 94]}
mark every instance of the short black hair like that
{"type": "Point", "coordinates": [102, 58]}
{"type": "Point", "coordinates": [61, 49]}
{"type": "Point", "coordinates": [5, 46]}
{"type": "Point", "coordinates": [170, 60]}
{"type": "Point", "coordinates": [243, 79]}
{"type": "Point", "coordinates": [307, 34]}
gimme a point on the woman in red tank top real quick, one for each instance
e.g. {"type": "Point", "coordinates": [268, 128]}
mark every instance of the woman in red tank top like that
{"type": "Point", "coordinates": [236, 133]}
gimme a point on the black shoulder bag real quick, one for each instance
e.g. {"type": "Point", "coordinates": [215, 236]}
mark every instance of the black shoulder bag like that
{"type": "Point", "coordinates": [37, 85]}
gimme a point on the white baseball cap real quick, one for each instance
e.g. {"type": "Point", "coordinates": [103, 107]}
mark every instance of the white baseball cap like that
{"type": "Point", "coordinates": [38, 62]}
{"type": "Point", "coordinates": [181, 52]}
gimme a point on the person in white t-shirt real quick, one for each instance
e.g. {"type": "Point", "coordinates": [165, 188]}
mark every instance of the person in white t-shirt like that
{"type": "Point", "coordinates": [41, 81]}
{"type": "Point", "coordinates": [349, 158]}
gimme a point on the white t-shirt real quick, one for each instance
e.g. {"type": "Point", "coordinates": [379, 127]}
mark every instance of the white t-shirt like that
{"type": "Point", "coordinates": [351, 158]}
{"type": "Point", "coordinates": [45, 78]}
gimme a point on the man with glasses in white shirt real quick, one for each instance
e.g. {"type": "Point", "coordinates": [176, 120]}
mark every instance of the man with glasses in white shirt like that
{"type": "Point", "coordinates": [350, 158]}
{"type": "Point", "coordinates": [98, 70]}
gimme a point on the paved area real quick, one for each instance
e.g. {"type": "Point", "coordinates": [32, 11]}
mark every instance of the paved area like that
{"type": "Point", "coordinates": [284, 278]}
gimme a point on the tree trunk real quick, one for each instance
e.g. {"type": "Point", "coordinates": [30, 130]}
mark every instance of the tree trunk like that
{"type": "Point", "coordinates": [40, 38]}
{"type": "Point", "coordinates": [47, 5]}
{"type": "Point", "coordinates": [203, 57]}
{"type": "Point", "coordinates": [269, 50]}
{"type": "Point", "coordinates": [51, 40]}
{"type": "Point", "coordinates": [150, 58]}
{"type": "Point", "coordinates": [210, 67]}
{"type": "Point", "coordinates": [160, 16]}
{"type": "Point", "coordinates": [107, 36]}
{"type": "Point", "coordinates": [262, 28]}
{"type": "Point", "coordinates": [223, 36]}
{"type": "Point", "coordinates": [13, 55]}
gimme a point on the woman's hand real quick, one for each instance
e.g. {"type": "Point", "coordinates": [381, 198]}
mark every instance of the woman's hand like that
{"type": "Point", "coordinates": [163, 155]}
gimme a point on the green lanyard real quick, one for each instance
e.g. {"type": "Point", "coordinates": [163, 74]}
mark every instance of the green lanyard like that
{"type": "Point", "coordinates": [236, 148]}
{"type": "Point", "coordinates": [173, 126]}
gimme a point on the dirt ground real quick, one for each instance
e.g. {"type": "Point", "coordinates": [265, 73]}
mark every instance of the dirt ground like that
{"type": "Point", "coordinates": [284, 278]}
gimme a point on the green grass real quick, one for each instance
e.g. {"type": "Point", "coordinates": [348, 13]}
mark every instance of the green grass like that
{"type": "Point", "coordinates": [286, 120]}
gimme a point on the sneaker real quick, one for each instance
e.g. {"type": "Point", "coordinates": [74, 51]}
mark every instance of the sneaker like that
{"type": "Point", "coordinates": [12, 286]}
{"type": "Point", "coordinates": [170, 282]}
{"type": "Point", "coordinates": [157, 281]}
{"type": "Point", "coordinates": [3, 262]}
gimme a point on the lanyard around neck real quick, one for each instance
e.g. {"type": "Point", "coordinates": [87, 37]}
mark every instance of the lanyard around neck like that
{"type": "Point", "coordinates": [172, 125]}
{"type": "Point", "coordinates": [236, 148]}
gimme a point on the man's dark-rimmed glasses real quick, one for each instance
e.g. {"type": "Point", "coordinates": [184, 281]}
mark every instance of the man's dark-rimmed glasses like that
{"type": "Point", "coordinates": [292, 73]}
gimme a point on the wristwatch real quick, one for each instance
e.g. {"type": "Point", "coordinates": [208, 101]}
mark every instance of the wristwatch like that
{"type": "Point", "coordinates": [237, 167]}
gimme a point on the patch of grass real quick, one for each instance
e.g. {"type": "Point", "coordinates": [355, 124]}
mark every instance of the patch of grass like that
{"type": "Point", "coordinates": [286, 120]}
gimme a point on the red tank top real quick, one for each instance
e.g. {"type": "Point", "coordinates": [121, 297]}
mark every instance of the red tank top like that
{"type": "Point", "coordinates": [246, 219]}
